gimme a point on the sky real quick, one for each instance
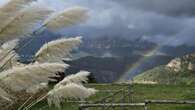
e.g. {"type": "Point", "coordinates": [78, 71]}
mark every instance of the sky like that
{"type": "Point", "coordinates": [166, 22]}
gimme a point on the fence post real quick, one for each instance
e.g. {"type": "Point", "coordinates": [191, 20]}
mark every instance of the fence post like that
{"type": "Point", "coordinates": [145, 107]}
{"type": "Point", "coordinates": [129, 94]}
{"type": "Point", "coordinates": [82, 102]}
{"type": "Point", "coordinates": [113, 108]}
{"type": "Point", "coordinates": [103, 108]}
{"type": "Point", "coordinates": [123, 99]}
{"type": "Point", "coordinates": [81, 108]}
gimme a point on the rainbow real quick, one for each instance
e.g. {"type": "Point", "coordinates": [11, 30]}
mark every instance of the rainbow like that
{"type": "Point", "coordinates": [135, 66]}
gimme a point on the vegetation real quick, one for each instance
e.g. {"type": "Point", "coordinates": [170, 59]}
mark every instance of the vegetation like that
{"type": "Point", "coordinates": [140, 93]}
{"type": "Point", "coordinates": [24, 85]}
{"type": "Point", "coordinates": [165, 75]}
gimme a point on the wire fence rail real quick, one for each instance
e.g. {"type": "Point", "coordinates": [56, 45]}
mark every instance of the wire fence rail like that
{"type": "Point", "coordinates": [144, 105]}
{"type": "Point", "coordinates": [113, 105]}
{"type": "Point", "coordinates": [169, 102]}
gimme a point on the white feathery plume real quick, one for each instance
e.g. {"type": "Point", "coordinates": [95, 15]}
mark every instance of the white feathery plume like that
{"type": "Point", "coordinates": [10, 9]}
{"type": "Point", "coordinates": [74, 78]}
{"type": "Point", "coordinates": [24, 21]}
{"type": "Point", "coordinates": [55, 50]}
{"type": "Point", "coordinates": [4, 95]}
{"type": "Point", "coordinates": [36, 88]}
{"type": "Point", "coordinates": [21, 78]}
{"type": "Point", "coordinates": [9, 61]}
{"type": "Point", "coordinates": [10, 45]}
{"type": "Point", "coordinates": [67, 17]}
{"type": "Point", "coordinates": [7, 52]}
{"type": "Point", "coordinates": [71, 90]}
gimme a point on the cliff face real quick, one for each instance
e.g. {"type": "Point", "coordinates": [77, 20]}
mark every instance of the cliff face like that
{"type": "Point", "coordinates": [175, 64]}
{"type": "Point", "coordinates": [186, 62]}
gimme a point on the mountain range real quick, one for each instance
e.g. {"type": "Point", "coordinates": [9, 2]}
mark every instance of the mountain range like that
{"type": "Point", "coordinates": [108, 58]}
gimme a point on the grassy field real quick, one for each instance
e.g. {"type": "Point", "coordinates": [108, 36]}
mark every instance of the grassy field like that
{"type": "Point", "coordinates": [140, 93]}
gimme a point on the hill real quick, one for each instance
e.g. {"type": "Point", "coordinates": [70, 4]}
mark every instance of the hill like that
{"type": "Point", "coordinates": [179, 70]}
{"type": "Point", "coordinates": [165, 75]}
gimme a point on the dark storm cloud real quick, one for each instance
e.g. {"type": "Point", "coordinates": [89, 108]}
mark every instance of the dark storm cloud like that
{"type": "Point", "coordinates": [169, 22]}
{"type": "Point", "coordinates": [168, 7]}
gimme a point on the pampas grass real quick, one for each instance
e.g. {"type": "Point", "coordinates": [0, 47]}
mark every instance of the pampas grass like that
{"type": "Point", "coordinates": [36, 88]}
{"type": "Point", "coordinates": [10, 60]}
{"type": "Point", "coordinates": [71, 90]}
{"type": "Point", "coordinates": [6, 100]}
{"type": "Point", "coordinates": [23, 22]}
{"type": "Point", "coordinates": [4, 95]}
{"type": "Point", "coordinates": [17, 21]}
{"type": "Point", "coordinates": [59, 20]}
{"type": "Point", "coordinates": [10, 9]}
{"type": "Point", "coordinates": [75, 78]}
{"type": "Point", "coordinates": [6, 53]}
{"type": "Point", "coordinates": [10, 45]}
{"type": "Point", "coordinates": [21, 78]}
{"type": "Point", "coordinates": [55, 50]}
{"type": "Point", "coordinates": [67, 17]}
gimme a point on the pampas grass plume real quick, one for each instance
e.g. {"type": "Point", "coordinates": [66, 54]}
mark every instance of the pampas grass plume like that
{"type": "Point", "coordinates": [56, 50]}
{"type": "Point", "coordinates": [78, 78]}
{"type": "Point", "coordinates": [21, 78]}
{"type": "Point", "coordinates": [71, 90]}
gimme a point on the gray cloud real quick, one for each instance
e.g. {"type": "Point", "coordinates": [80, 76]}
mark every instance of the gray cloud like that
{"type": "Point", "coordinates": [169, 22]}
{"type": "Point", "coordinates": [168, 7]}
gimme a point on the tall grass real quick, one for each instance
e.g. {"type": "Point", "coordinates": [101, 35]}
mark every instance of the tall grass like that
{"type": "Point", "coordinates": [21, 84]}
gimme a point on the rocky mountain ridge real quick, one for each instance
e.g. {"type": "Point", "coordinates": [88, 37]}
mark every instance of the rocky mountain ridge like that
{"type": "Point", "coordinates": [178, 70]}
{"type": "Point", "coordinates": [186, 62]}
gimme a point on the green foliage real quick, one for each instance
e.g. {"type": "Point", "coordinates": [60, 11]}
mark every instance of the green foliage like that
{"type": "Point", "coordinates": [141, 93]}
{"type": "Point", "coordinates": [164, 75]}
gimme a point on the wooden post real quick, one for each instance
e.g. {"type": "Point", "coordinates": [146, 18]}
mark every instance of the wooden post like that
{"type": "Point", "coordinates": [145, 107]}
{"type": "Point", "coordinates": [113, 108]}
{"type": "Point", "coordinates": [123, 99]}
{"type": "Point", "coordinates": [81, 107]}
{"type": "Point", "coordinates": [103, 107]}
{"type": "Point", "coordinates": [129, 94]}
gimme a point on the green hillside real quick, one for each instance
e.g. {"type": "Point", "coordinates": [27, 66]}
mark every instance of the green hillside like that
{"type": "Point", "coordinates": [165, 75]}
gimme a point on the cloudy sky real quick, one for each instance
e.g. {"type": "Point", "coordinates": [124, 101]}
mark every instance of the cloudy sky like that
{"type": "Point", "coordinates": [162, 21]}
